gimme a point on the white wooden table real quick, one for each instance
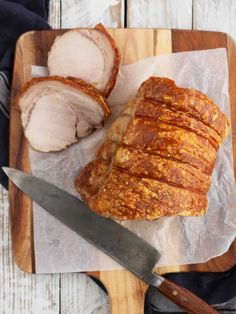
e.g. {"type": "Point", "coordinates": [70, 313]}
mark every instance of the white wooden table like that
{"type": "Point", "coordinates": [76, 293]}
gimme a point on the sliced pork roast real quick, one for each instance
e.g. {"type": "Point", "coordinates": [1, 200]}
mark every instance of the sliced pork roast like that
{"type": "Point", "coordinates": [56, 111]}
{"type": "Point", "coordinates": [89, 54]}
{"type": "Point", "coordinates": [158, 156]}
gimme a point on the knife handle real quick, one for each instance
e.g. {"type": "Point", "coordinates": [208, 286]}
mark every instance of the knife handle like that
{"type": "Point", "coordinates": [185, 299]}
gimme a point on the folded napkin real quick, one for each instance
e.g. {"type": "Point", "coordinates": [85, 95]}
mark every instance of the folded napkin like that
{"type": "Point", "coordinates": [217, 289]}
{"type": "Point", "coordinates": [16, 18]}
{"type": "Point", "coordinates": [19, 16]}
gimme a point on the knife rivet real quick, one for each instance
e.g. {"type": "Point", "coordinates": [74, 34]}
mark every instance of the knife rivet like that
{"type": "Point", "coordinates": [159, 282]}
{"type": "Point", "coordinates": [174, 293]}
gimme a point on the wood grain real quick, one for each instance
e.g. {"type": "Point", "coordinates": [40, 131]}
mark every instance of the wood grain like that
{"type": "Point", "coordinates": [217, 15]}
{"type": "Point", "coordinates": [21, 292]}
{"type": "Point", "coordinates": [54, 16]}
{"type": "Point", "coordinates": [126, 292]}
{"type": "Point", "coordinates": [21, 207]}
{"type": "Point", "coordinates": [159, 13]}
{"type": "Point", "coordinates": [87, 13]}
{"type": "Point", "coordinates": [79, 294]}
{"type": "Point", "coordinates": [32, 48]}
{"type": "Point", "coordinates": [137, 44]}
{"type": "Point", "coordinates": [231, 48]}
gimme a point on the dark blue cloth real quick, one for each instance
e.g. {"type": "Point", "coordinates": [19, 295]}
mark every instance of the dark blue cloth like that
{"type": "Point", "coordinates": [19, 16]}
{"type": "Point", "coordinates": [16, 18]}
{"type": "Point", "coordinates": [217, 289]}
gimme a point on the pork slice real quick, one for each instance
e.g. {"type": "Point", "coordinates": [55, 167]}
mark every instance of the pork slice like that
{"type": "Point", "coordinates": [89, 54]}
{"type": "Point", "coordinates": [56, 112]}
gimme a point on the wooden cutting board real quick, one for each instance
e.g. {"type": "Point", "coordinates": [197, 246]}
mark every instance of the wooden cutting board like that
{"type": "Point", "coordinates": [126, 292]}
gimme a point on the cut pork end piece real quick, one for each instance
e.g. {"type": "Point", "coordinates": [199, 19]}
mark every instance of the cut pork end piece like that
{"type": "Point", "coordinates": [92, 178]}
{"type": "Point", "coordinates": [89, 54]}
{"type": "Point", "coordinates": [56, 112]}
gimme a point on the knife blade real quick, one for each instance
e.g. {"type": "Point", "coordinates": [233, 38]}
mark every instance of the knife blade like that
{"type": "Point", "coordinates": [124, 246]}
{"type": "Point", "coordinates": [109, 236]}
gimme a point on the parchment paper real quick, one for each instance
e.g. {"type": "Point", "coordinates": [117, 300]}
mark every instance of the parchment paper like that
{"type": "Point", "coordinates": [183, 240]}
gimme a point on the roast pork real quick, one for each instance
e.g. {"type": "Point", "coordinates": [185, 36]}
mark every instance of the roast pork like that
{"type": "Point", "coordinates": [158, 155]}
{"type": "Point", "coordinates": [89, 54]}
{"type": "Point", "coordinates": [56, 112]}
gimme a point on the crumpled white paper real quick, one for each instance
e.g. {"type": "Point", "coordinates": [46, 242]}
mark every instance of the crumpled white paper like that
{"type": "Point", "coordinates": [181, 240]}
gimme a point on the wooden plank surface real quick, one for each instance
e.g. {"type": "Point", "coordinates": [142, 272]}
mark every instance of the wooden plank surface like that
{"type": "Point", "coordinates": [27, 290]}
{"type": "Point", "coordinates": [159, 14]}
{"type": "Point", "coordinates": [126, 292]}
{"type": "Point", "coordinates": [217, 15]}
{"type": "Point", "coordinates": [87, 13]}
{"type": "Point", "coordinates": [54, 17]}
{"type": "Point", "coordinates": [79, 294]}
{"type": "Point", "coordinates": [21, 292]}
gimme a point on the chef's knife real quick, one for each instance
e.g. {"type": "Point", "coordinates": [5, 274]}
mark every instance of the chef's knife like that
{"type": "Point", "coordinates": [122, 245]}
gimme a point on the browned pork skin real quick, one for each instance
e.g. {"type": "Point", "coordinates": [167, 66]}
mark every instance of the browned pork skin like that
{"type": "Point", "coordinates": [158, 155]}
